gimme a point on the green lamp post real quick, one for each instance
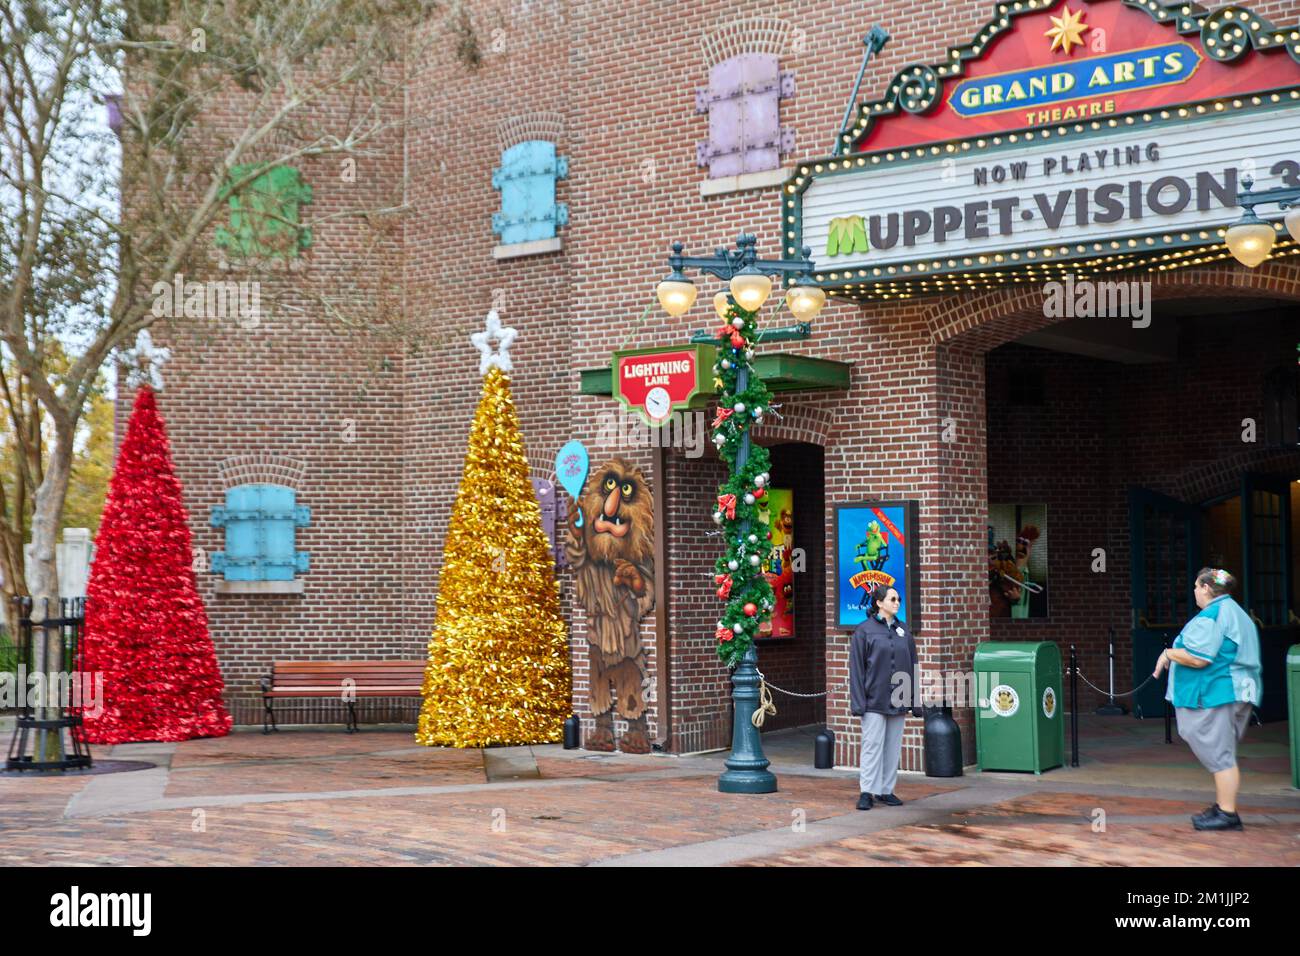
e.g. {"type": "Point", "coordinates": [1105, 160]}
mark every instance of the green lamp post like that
{"type": "Point", "coordinates": [743, 399]}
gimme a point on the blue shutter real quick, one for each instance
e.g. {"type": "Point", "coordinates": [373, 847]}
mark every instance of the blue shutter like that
{"type": "Point", "coordinates": [526, 179]}
{"type": "Point", "coordinates": [280, 518]}
{"type": "Point", "coordinates": [260, 522]}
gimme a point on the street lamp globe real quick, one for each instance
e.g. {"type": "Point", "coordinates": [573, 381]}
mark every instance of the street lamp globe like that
{"type": "Point", "coordinates": [750, 288]}
{"type": "Point", "coordinates": [1250, 239]}
{"type": "Point", "coordinates": [805, 301]}
{"type": "Point", "coordinates": [676, 294]}
{"type": "Point", "coordinates": [1292, 221]}
{"type": "Point", "coordinates": [722, 303]}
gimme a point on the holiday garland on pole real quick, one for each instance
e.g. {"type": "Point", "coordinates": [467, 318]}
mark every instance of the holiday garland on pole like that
{"type": "Point", "coordinates": [742, 403]}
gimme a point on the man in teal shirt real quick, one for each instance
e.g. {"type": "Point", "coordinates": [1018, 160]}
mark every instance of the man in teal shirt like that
{"type": "Point", "coordinates": [1214, 683]}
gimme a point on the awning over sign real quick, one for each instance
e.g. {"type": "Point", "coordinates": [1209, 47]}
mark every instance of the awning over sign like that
{"type": "Point", "coordinates": [781, 371]}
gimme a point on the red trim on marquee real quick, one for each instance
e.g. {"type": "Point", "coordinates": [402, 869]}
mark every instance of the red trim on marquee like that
{"type": "Point", "coordinates": [1023, 45]}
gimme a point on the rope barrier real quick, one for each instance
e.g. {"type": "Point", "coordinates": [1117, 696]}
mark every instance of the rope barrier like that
{"type": "Point", "coordinates": [767, 706]}
{"type": "Point", "coordinates": [1107, 693]}
{"type": "Point", "coordinates": [791, 693]}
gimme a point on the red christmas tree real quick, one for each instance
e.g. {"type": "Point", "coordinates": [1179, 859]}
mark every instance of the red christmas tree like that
{"type": "Point", "coordinates": [146, 627]}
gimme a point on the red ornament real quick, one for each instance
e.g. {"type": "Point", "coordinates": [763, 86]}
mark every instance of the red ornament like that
{"type": "Point", "coordinates": [751, 609]}
{"type": "Point", "coordinates": [146, 627]}
{"type": "Point", "coordinates": [725, 634]}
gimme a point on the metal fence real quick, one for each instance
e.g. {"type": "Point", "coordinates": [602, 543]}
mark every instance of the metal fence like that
{"type": "Point", "coordinates": [32, 745]}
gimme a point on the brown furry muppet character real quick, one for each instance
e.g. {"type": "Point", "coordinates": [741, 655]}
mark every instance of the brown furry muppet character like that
{"type": "Point", "coordinates": [613, 556]}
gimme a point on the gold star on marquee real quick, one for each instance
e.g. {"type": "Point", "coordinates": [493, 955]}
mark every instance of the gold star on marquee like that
{"type": "Point", "coordinates": [1069, 30]}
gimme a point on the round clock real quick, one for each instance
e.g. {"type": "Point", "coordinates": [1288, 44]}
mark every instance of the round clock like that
{"type": "Point", "coordinates": [657, 403]}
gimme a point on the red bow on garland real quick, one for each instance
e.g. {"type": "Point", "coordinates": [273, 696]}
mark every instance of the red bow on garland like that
{"type": "Point", "coordinates": [726, 330]}
{"type": "Point", "coordinates": [723, 415]}
{"type": "Point", "coordinates": [724, 585]}
{"type": "Point", "coordinates": [724, 634]}
{"type": "Point", "coordinates": [737, 340]}
{"type": "Point", "coordinates": [727, 503]}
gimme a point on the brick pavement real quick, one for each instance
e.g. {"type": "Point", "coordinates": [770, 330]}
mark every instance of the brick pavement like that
{"type": "Point", "coordinates": [328, 798]}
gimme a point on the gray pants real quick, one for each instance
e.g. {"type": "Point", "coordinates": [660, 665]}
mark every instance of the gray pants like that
{"type": "Point", "coordinates": [882, 749]}
{"type": "Point", "coordinates": [1214, 732]}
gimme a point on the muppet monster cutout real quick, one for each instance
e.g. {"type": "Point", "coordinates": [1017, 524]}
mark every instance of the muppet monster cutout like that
{"type": "Point", "coordinates": [611, 548]}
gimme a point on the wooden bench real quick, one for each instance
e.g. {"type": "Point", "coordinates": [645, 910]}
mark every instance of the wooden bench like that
{"type": "Point", "coordinates": [346, 680]}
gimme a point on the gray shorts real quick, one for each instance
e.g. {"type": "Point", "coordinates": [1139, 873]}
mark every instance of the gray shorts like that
{"type": "Point", "coordinates": [1213, 732]}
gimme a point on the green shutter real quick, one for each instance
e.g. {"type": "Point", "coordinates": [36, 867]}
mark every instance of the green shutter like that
{"type": "Point", "coordinates": [264, 217]}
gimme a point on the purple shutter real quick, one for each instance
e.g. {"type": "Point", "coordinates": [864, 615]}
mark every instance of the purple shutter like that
{"type": "Point", "coordinates": [742, 101]}
{"type": "Point", "coordinates": [726, 119]}
{"type": "Point", "coordinates": [762, 130]}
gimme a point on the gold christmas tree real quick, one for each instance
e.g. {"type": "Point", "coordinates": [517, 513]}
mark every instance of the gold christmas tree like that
{"type": "Point", "coordinates": [498, 668]}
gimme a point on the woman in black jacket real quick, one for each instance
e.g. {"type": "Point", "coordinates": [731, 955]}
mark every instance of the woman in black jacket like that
{"type": "Point", "coordinates": [882, 670]}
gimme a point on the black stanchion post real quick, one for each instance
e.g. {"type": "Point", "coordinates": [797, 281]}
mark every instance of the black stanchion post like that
{"type": "Point", "coordinates": [1074, 706]}
{"type": "Point", "coordinates": [824, 749]}
{"type": "Point", "coordinates": [1111, 708]}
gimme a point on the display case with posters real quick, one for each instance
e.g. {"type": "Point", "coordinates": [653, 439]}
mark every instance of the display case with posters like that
{"type": "Point", "coordinates": [1018, 561]}
{"type": "Point", "coordinates": [876, 542]}
{"type": "Point", "coordinates": [778, 515]}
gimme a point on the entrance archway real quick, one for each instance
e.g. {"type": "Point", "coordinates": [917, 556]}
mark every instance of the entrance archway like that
{"type": "Point", "coordinates": [1138, 451]}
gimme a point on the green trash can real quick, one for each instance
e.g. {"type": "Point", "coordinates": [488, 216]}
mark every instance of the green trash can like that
{"type": "Point", "coordinates": [1293, 705]}
{"type": "Point", "coordinates": [1018, 721]}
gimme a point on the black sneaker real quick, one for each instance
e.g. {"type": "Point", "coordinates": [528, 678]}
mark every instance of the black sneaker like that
{"type": "Point", "coordinates": [1219, 820]}
{"type": "Point", "coordinates": [864, 801]}
{"type": "Point", "coordinates": [889, 800]}
{"type": "Point", "coordinates": [1208, 812]}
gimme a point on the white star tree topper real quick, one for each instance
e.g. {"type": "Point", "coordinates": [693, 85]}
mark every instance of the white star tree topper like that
{"type": "Point", "coordinates": [146, 362]}
{"type": "Point", "coordinates": [493, 332]}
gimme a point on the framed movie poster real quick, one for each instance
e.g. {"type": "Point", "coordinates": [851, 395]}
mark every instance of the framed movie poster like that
{"type": "Point", "coordinates": [876, 543]}
{"type": "Point", "coordinates": [1018, 561]}
{"type": "Point", "coordinates": [776, 512]}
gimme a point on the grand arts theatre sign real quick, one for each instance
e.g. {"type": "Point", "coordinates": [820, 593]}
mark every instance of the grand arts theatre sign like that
{"type": "Point", "coordinates": [1079, 137]}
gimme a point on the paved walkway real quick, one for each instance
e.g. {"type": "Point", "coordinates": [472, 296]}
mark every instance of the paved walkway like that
{"type": "Point", "coordinates": [316, 796]}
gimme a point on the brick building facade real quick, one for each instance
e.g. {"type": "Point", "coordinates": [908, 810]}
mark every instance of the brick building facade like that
{"type": "Point", "coordinates": [374, 445]}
